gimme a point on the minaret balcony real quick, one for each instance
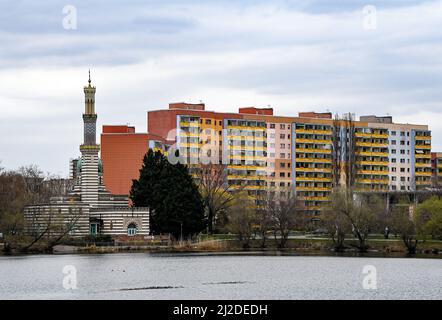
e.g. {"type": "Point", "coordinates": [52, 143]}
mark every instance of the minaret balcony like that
{"type": "Point", "coordinates": [85, 147]}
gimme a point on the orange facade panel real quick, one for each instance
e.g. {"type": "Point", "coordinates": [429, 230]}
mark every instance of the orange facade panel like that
{"type": "Point", "coordinates": [122, 156]}
{"type": "Point", "coordinates": [118, 129]}
{"type": "Point", "coordinates": [253, 110]}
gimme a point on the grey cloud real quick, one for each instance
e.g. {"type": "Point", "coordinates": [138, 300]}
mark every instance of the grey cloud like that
{"type": "Point", "coordinates": [329, 63]}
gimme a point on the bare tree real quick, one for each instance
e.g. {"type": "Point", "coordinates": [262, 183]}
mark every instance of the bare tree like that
{"type": "Point", "coordinates": [217, 194]}
{"type": "Point", "coordinates": [356, 212]}
{"type": "Point", "coordinates": [13, 198]}
{"type": "Point", "coordinates": [363, 217]}
{"type": "Point", "coordinates": [404, 224]}
{"type": "Point", "coordinates": [334, 218]}
{"type": "Point", "coordinates": [286, 213]}
{"type": "Point", "coordinates": [242, 217]}
{"type": "Point", "coordinates": [264, 216]}
{"type": "Point", "coordinates": [26, 186]}
{"type": "Point", "coordinates": [67, 223]}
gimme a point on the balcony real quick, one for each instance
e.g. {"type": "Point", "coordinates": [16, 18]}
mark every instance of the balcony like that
{"type": "Point", "coordinates": [426, 174]}
{"type": "Point", "coordinates": [372, 181]}
{"type": "Point", "coordinates": [189, 124]}
{"type": "Point", "coordinates": [313, 189]}
{"type": "Point", "coordinates": [313, 160]}
{"type": "Point", "coordinates": [373, 163]}
{"type": "Point", "coordinates": [423, 137]}
{"type": "Point", "coordinates": [313, 141]}
{"type": "Point", "coordinates": [371, 135]}
{"type": "Point", "coordinates": [301, 169]}
{"type": "Point", "coordinates": [304, 150]}
{"type": "Point", "coordinates": [315, 198]}
{"type": "Point", "coordinates": [372, 144]}
{"type": "Point", "coordinates": [422, 146]}
{"type": "Point", "coordinates": [423, 156]}
{"type": "Point", "coordinates": [378, 172]}
{"type": "Point", "coordinates": [368, 153]}
{"type": "Point", "coordinates": [313, 179]}
{"type": "Point", "coordinates": [306, 131]}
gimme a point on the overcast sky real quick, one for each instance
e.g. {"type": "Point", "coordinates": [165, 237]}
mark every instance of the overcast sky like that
{"type": "Point", "coordinates": [293, 55]}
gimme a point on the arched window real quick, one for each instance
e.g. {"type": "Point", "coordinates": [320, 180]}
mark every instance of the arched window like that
{"type": "Point", "coordinates": [131, 229]}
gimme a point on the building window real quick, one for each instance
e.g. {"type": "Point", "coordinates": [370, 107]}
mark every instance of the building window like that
{"type": "Point", "coordinates": [282, 155]}
{"type": "Point", "coordinates": [272, 126]}
{"type": "Point", "coordinates": [282, 136]}
{"type": "Point", "coordinates": [94, 229]}
{"type": "Point", "coordinates": [282, 126]}
{"type": "Point", "coordinates": [393, 151]}
{"type": "Point", "coordinates": [393, 142]}
{"type": "Point", "coordinates": [131, 230]}
{"type": "Point", "coordinates": [282, 145]}
{"type": "Point", "coordinates": [393, 133]}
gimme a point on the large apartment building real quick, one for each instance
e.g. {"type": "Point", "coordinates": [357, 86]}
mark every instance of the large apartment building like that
{"type": "Point", "coordinates": [262, 150]}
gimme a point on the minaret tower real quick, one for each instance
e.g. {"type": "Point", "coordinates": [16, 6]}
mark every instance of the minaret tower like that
{"type": "Point", "coordinates": [89, 149]}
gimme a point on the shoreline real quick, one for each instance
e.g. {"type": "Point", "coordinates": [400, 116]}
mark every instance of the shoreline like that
{"type": "Point", "coordinates": [374, 251]}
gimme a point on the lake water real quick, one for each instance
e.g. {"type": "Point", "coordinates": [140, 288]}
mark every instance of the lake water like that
{"type": "Point", "coordinates": [202, 276]}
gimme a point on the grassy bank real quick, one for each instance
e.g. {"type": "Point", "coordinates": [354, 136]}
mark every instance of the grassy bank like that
{"type": "Point", "coordinates": [325, 246]}
{"type": "Point", "coordinates": [315, 246]}
{"type": "Point", "coordinates": [228, 243]}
